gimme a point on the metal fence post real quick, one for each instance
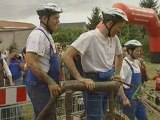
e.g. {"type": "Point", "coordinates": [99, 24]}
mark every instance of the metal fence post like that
{"type": "Point", "coordinates": [68, 103]}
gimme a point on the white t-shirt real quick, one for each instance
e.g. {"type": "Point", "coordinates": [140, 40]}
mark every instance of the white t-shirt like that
{"type": "Point", "coordinates": [38, 43]}
{"type": "Point", "coordinates": [126, 72]}
{"type": "Point", "coordinates": [98, 52]}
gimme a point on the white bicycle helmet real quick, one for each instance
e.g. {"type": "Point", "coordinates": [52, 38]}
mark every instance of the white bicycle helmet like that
{"type": "Point", "coordinates": [114, 14]}
{"type": "Point", "coordinates": [48, 9]}
{"type": "Point", "coordinates": [135, 43]}
{"type": "Point", "coordinates": [132, 44]}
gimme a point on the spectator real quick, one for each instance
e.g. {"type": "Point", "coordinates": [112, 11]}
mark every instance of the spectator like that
{"type": "Point", "coordinates": [15, 65]}
{"type": "Point", "coordinates": [156, 78]}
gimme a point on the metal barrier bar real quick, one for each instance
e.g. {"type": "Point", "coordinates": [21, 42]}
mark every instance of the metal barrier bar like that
{"type": "Point", "coordinates": [68, 103]}
{"type": "Point", "coordinates": [111, 106]}
{"type": "Point", "coordinates": [78, 86]}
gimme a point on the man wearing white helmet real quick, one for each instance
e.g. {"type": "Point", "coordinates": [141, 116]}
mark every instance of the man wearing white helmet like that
{"type": "Point", "coordinates": [43, 73]}
{"type": "Point", "coordinates": [99, 49]}
{"type": "Point", "coordinates": [131, 74]}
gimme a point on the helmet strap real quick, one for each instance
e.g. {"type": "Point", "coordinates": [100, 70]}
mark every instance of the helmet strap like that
{"type": "Point", "coordinates": [47, 25]}
{"type": "Point", "coordinates": [109, 29]}
{"type": "Point", "coordinates": [132, 56]}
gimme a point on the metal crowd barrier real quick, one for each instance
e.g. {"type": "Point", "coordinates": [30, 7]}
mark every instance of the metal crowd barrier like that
{"type": "Point", "coordinates": [15, 103]}
{"type": "Point", "coordinates": [74, 111]}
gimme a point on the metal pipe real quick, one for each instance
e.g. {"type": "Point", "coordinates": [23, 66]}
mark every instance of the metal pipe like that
{"type": "Point", "coordinates": [78, 86]}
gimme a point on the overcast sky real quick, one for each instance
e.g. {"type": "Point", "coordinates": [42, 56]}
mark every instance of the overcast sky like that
{"type": "Point", "coordinates": [74, 10]}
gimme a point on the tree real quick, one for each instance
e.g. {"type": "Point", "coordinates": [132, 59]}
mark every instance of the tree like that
{"type": "Point", "coordinates": [153, 4]}
{"type": "Point", "coordinates": [131, 32]}
{"type": "Point", "coordinates": [95, 18]}
{"type": "Point", "coordinates": [66, 35]}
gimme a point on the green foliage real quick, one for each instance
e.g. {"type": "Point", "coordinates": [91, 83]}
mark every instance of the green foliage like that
{"type": "Point", "coordinates": [66, 35]}
{"type": "Point", "coordinates": [131, 31]}
{"type": "Point", "coordinates": [95, 18]}
{"type": "Point", "coordinates": [150, 4]}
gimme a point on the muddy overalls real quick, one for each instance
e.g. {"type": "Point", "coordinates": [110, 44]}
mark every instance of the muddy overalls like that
{"type": "Point", "coordinates": [137, 110]}
{"type": "Point", "coordinates": [38, 90]}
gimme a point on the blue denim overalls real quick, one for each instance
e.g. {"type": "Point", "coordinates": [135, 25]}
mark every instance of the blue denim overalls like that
{"type": "Point", "coordinates": [137, 110]}
{"type": "Point", "coordinates": [38, 90]}
{"type": "Point", "coordinates": [96, 102]}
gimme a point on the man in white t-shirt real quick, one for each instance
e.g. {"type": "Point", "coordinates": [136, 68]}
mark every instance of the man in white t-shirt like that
{"type": "Point", "coordinates": [100, 51]}
{"type": "Point", "coordinates": [131, 74]}
{"type": "Point", "coordinates": [43, 74]}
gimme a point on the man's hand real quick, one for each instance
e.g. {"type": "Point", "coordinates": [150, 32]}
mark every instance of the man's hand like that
{"type": "Point", "coordinates": [11, 83]}
{"type": "Point", "coordinates": [90, 84]}
{"type": "Point", "coordinates": [54, 88]}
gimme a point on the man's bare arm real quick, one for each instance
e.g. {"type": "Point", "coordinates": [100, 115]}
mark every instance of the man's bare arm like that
{"type": "Point", "coordinates": [118, 63]}
{"type": "Point", "coordinates": [68, 59]}
{"type": "Point", "coordinates": [32, 64]}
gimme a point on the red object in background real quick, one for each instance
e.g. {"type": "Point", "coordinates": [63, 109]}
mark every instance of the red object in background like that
{"type": "Point", "coordinates": [149, 19]}
{"type": "Point", "coordinates": [2, 96]}
{"type": "Point", "coordinates": [21, 94]}
{"type": "Point", "coordinates": [13, 95]}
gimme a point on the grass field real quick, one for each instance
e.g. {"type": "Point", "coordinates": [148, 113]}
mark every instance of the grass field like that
{"type": "Point", "coordinates": [151, 71]}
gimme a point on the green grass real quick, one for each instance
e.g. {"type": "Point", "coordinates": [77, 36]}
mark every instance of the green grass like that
{"type": "Point", "coordinates": [151, 68]}
{"type": "Point", "coordinates": [28, 112]}
{"type": "Point", "coordinates": [151, 71]}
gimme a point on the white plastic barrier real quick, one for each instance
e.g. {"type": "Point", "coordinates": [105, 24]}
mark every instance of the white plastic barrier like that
{"type": "Point", "coordinates": [13, 95]}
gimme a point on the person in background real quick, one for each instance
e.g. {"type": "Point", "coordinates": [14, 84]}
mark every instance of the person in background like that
{"type": "Point", "coordinates": [57, 65]}
{"type": "Point", "coordinates": [23, 53]}
{"type": "Point", "coordinates": [143, 68]}
{"type": "Point", "coordinates": [3, 54]}
{"type": "Point", "coordinates": [58, 47]}
{"type": "Point", "coordinates": [98, 49]}
{"type": "Point", "coordinates": [131, 74]}
{"type": "Point", "coordinates": [5, 74]}
{"type": "Point", "coordinates": [156, 78]}
{"type": "Point", "coordinates": [42, 81]}
{"type": "Point", "coordinates": [15, 65]}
